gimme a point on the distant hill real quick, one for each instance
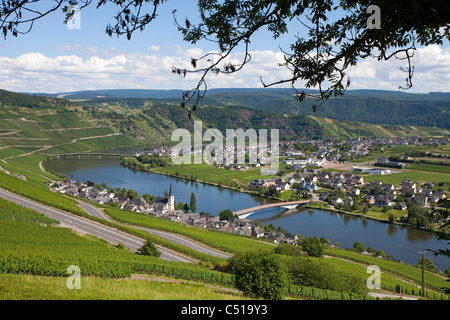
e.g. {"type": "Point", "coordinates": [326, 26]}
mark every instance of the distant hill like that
{"type": "Point", "coordinates": [370, 106]}
{"type": "Point", "coordinates": [122, 121]}
{"type": "Point", "coordinates": [14, 99]}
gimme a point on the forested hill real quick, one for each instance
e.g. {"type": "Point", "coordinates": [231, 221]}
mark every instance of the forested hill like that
{"type": "Point", "coordinates": [156, 119]}
{"type": "Point", "coordinates": [13, 99]}
{"type": "Point", "coordinates": [371, 106]}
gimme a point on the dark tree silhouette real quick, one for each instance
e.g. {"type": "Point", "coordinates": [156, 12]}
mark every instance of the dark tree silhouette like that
{"type": "Point", "coordinates": [320, 57]}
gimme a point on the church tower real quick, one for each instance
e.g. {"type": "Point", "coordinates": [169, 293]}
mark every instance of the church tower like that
{"type": "Point", "coordinates": [171, 201]}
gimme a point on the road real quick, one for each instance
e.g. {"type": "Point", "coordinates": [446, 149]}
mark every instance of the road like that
{"type": "Point", "coordinates": [175, 238]}
{"type": "Point", "coordinates": [84, 225]}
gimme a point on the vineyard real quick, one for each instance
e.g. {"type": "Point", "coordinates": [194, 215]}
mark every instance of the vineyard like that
{"type": "Point", "coordinates": [39, 194]}
{"type": "Point", "coordinates": [387, 281]}
{"type": "Point", "coordinates": [32, 245]}
{"type": "Point", "coordinates": [225, 241]}
{"type": "Point", "coordinates": [12, 212]}
{"type": "Point", "coordinates": [406, 271]}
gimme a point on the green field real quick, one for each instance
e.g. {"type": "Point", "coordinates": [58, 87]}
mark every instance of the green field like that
{"type": "Point", "coordinates": [210, 174]}
{"type": "Point", "coordinates": [27, 287]}
{"type": "Point", "coordinates": [418, 176]}
{"type": "Point", "coordinates": [431, 168]}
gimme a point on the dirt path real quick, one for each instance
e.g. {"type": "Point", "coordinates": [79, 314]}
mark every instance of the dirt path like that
{"type": "Point", "coordinates": [142, 277]}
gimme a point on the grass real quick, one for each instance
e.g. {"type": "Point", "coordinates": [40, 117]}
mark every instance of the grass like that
{"type": "Point", "coordinates": [392, 151]}
{"type": "Point", "coordinates": [377, 212]}
{"type": "Point", "coordinates": [27, 287]}
{"type": "Point", "coordinates": [418, 176]}
{"type": "Point", "coordinates": [431, 168]}
{"type": "Point", "coordinates": [210, 174]}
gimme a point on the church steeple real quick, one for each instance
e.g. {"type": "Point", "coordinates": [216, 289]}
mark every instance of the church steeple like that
{"type": "Point", "coordinates": [171, 200]}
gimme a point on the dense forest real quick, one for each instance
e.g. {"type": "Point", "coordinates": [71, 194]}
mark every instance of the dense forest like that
{"type": "Point", "coordinates": [17, 100]}
{"type": "Point", "coordinates": [370, 106]}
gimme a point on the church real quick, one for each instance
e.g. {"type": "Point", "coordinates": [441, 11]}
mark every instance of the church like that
{"type": "Point", "coordinates": [164, 205]}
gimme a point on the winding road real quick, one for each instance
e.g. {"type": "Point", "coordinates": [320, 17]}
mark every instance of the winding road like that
{"type": "Point", "coordinates": [173, 237]}
{"type": "Point", "coordinates": [84, 225]}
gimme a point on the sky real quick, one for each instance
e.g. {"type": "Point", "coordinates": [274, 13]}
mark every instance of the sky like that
{"type": "Point", "coordinates": [54, 58]}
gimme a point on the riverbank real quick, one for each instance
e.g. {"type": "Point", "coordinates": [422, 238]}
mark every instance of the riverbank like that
{"type": "Point", "coordinates": [372, 214]}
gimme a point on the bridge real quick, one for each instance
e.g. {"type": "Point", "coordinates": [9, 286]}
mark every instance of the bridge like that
{"type": "Point", "coordinates": [290, 205]}
{"type": "Point", "coordinates": [88, 154]}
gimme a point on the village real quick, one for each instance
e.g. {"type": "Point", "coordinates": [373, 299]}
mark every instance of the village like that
{"type": "Point", "coordinates": [306, 178]}
{"type": "Point", "coordinates": [166, 208]}
{"type": "Point", "coordinates": [346, 188]}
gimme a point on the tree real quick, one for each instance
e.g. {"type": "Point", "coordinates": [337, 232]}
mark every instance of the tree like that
{"type": "Point", "coordinates": [186, 207]}
{"type": "Point", "coordinates": [428, 264]}
{"type": "Point", "coordinates": [359, 246]}
{"type": "Point", "coordinates": [179, 206]}
{"type": "Point", "coordinates": [391, 218]}
{"type": "Point", "coordinates": [380, 253]}
{"type": "Point", "coordinates": [226, 214]}
{"type": "Point", "coordinates": [132, 194]}
{"type": "Point", "coordinates": [148, 249]}
{"type": "Point", "coordinates": [148, 197]}
{"type": "Point", "coordinates": [313, 246]}
{"type": "Point", "coordinates": [259, 274]}
{"type": "Point", "coordinates": [193, 203]}
{"type": "Point", "coordinates": [333, 36]}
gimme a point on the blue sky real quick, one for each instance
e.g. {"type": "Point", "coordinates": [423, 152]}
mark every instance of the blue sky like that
{"type": "Point", "coordinates": [53, 58]}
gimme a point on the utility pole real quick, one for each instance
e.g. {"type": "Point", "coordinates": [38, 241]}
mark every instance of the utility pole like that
{"type": "Point", "coordinates": [423, 272]}
{"type": "Point", "coordinates": [423, 275]}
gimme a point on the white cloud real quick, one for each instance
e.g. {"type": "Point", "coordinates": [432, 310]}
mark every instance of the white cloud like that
{"type": "Point", "coordinates": [431, 72]}
{"type": "Point", "coordinates": [89, 51]}
{"type": "Point", "coordinates": [36, 72]}
{"type": "Point", "coordinates": [153, 48]}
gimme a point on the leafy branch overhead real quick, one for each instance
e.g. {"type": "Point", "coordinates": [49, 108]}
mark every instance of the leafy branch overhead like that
{"type": "Point", "coordinates": [334, 35]}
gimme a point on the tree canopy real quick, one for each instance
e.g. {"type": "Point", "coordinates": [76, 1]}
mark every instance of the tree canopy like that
{"type": "Point", "coordinates": [336, 34]}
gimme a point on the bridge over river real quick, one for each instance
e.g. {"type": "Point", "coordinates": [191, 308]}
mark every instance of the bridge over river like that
{"type": "Point", "coordinates": [89, 154]}
{"type": "Point", "coordinates": [244, 213]}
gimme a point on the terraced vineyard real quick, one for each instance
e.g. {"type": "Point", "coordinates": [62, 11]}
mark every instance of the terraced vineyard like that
{"type": "Point", "coordinates": [405, 271]}
{"type": "Point", "coordinates": [30, 244]}
{"type": "Point", "coordinates": [225, 241]}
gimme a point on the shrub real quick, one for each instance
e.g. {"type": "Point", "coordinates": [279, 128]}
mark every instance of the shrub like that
{"type": "Point", "coordinates": [259, 274]}
{"type": "Point", "coordinates": [149, 249]}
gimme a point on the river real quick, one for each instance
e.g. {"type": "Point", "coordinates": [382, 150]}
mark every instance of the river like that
{"type": "Point", "coordinates": [401, 242]}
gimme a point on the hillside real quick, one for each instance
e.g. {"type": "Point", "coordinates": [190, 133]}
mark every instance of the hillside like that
{"type": "Point", "coordinates": [370, 106]}
{"type": "Point", "coordinates": [28, 134]}
{"type": "Point", "coordinates": [221, 116]}
{"type": "Point", "coordinates": [17, 100]}
{"type": "Point", "coordinates": [37, 125]}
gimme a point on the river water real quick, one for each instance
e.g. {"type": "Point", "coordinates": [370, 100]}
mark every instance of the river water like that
{"type": "Point", "coordinates": [401, 242]}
